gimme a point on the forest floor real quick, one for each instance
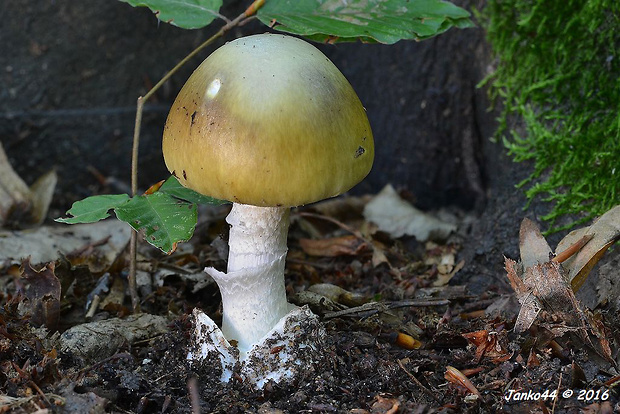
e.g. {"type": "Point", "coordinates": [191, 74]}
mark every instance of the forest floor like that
{"type": "Point", "coordinates": [387, 350]}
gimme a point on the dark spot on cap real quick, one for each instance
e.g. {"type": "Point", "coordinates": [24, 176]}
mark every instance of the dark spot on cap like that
{"type": "Point", "coordinates": [359, 151]}
{"type": "Point", "coordinates": [193, 117]}
{"type": "Point", "coordinates": [185, 173]}
{"type": "Point", "coordinates": [174, 172]}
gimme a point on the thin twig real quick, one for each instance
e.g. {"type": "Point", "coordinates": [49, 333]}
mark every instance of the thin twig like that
{"type": "Point", "coordinates": [131, 278]}
{"type": "Point", "coordinates": [41, 393]}
{"type": "Point", "coordinates": [372, 308]}
{"type": "Point", "coordinates": [84, 370]}
{"type": "Point", "coordinates": [418, 383]}
{"type": "Point", "coordinates": [250, 11]}
{"type": "Point", "coordinates": [572, 249]}
{"type": "Point", "coordinates": [338, 223]}
{"type": "Point", "coordinates": [557, 393]}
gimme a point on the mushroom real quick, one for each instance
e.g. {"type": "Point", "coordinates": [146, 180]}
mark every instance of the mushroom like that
{"type": "Point", "coordinates": [269, 123]}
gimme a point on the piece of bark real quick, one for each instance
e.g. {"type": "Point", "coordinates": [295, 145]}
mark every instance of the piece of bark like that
{"type": "Point", "coordinates": [544, 285]}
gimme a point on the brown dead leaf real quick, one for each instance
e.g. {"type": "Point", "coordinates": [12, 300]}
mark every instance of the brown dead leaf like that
{"type": "Point", "coordinates": [542, 284]}
{"type": "Point", "coordinates": [532, 359]}
{"type": "Point", "coordinates": [539, 282]}
{"type": "Point", "coordinates": [378, 254]}
{"type": "Point", "coordinates": [348, 245]}
{"type": "Point", "coordinates": [42, 295]}
{"type": "Point", "coordinates": [338, 295]}
{"type": "Point", "coordinates": [605, 232]}
{"type": "Point", "coordinates": [488, 345]}
{"type": "Point", "coordinates": [115, 298]}
{"type": "Point", "coordinates": [444, 278]}
{"type": "Point", "coordinates": [604, 407]}
{"type": "Point", "coordinates": [384, 405]}
{"type": "Point", "coordinates": [457, 378]}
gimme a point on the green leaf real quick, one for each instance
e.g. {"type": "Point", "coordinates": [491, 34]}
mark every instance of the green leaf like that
{"type": "Point", "coordinates": [383, 21]}
{"type": "Point", "coordinates": [93, 208]}
{"type": "Point", "coordinates": [187, 14]}
{"type": "Point", "coordinates": [165, 219]}
{"type": "Point", "coordinates": [175, 189]}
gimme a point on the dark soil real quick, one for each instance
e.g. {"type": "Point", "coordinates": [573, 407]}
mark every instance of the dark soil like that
{"type": "Point", "coordinates": [392, 360]}
{"type": "Point", "coordinates": [70, 73]}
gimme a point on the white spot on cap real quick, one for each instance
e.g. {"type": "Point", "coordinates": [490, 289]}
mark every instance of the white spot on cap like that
{"type": "Point", "coordinates": [213, 88]}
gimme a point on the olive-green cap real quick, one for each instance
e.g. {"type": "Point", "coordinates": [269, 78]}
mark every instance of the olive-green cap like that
{"type": "Point", "coordinates": [268, 120]}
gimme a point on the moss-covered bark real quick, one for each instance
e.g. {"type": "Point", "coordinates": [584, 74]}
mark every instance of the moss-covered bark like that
{"type": "Point", "coordinates": [559, 69]}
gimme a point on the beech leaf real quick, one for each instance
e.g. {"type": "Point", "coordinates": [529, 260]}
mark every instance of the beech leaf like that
{"type": "Point", "coordinates": [164, 219]}
{"type": "Point", "coordinates": [187, 14]}
{"type": "Point", "coordinates": [93, 208]}
{"type": "Point", "coordinates": [383, 21]}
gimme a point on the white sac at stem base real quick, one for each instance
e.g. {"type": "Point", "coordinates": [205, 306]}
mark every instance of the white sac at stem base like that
{"type": "Point", "coordinates": [291, 351]}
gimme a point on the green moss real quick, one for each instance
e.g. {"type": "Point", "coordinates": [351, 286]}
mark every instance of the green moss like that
{"type": "Point", "coordinates": [558, 68]}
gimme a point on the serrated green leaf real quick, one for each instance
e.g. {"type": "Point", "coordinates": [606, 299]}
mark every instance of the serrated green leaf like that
{"type": "Point", "coordinates": [187, 14]}
{"type": "Point", "coordinates": [165, 219]}
{"type": "Point", "coordinates": [383, 21]}
{"type": "Point", "coordinates": [175, 189]}
{"type": "Point", "coordinates": [93, 208]}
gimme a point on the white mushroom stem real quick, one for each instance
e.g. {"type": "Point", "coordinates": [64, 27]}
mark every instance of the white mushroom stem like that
{"type": "Point", "coordinates": [253, 292]}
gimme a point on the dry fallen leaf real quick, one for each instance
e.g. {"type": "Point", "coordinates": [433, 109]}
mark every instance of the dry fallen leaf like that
{"type": "Point", "coordinates": [336, 246]}
{"type": "Point", "coordinates": [384, 405]}
{"type": "Point", "coordinates": [488, 344]}
{"type": "Point", "coordinates": [604, 232]}
{"type": "Point", "coordinates": [338, 294]}
{"type": "Point", "coordinates": [100, 243]}
{"type": "Point", "coordinates": [457, 378]}
{"type": "Point", "coordinates": [42, 295]}
{"type": "Point", "coordinates": [542, 284]}
{"type": "Point", "coordinates": [397, 217]}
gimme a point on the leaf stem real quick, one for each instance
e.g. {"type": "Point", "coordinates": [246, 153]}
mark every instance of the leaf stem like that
{"type": "Point", "coordinates": [251, 10]}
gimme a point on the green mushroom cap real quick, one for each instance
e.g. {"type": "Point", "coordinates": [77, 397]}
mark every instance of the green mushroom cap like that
{"type": "Point", "coordinates": [268, 120]}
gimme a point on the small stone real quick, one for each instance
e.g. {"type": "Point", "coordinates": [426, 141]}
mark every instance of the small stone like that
{"type": "Point", "coordinates": [97, 340]}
